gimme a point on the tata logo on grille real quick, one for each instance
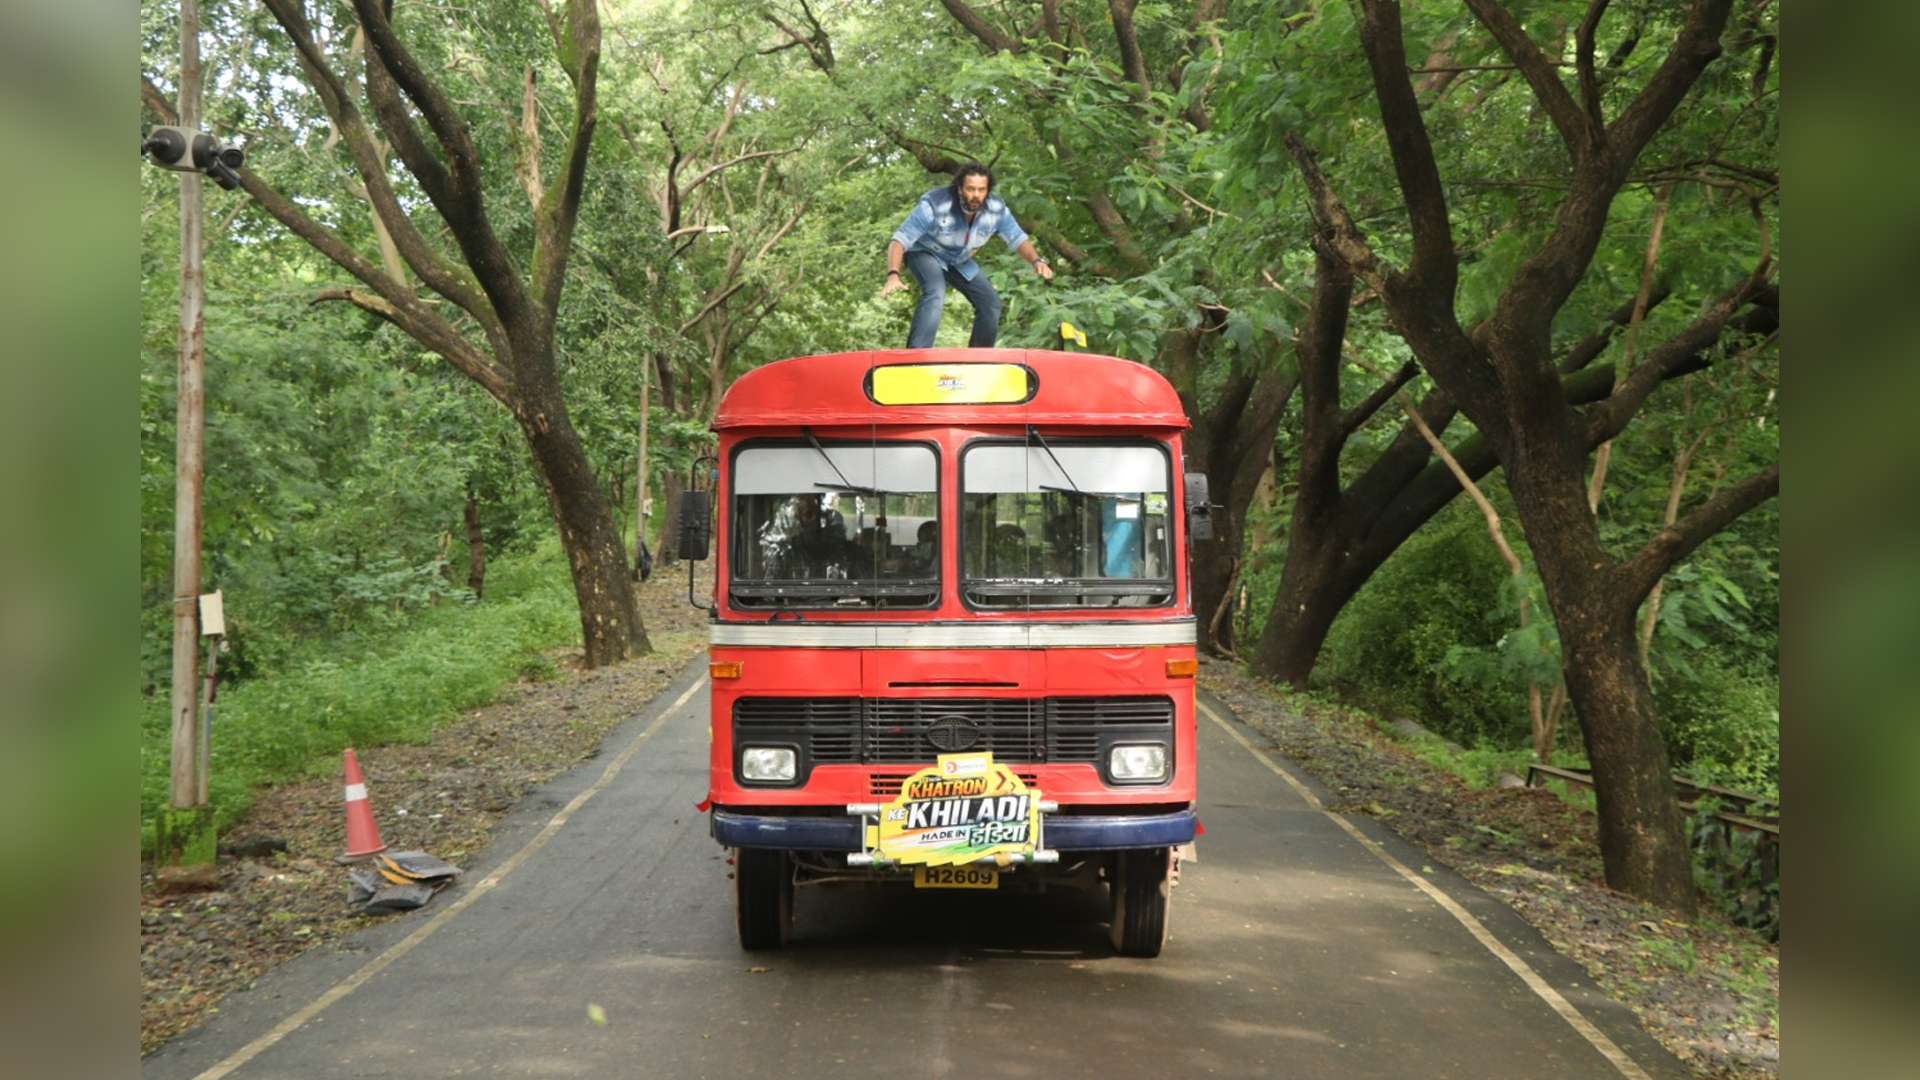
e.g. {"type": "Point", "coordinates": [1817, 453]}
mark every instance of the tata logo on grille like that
{"type": "Point", "coordinates": [953, 734]}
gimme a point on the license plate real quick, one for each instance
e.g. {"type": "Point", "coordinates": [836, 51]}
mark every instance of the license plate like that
{"type": "Point", "coordinates": [955, 877]}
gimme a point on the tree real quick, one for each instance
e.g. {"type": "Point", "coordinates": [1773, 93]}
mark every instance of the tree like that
{"type": "Point", "coordinates": [724, 156]}
{"type": "Point", "coordinates": [1096, 111]}
{"type": "Point", "coordinates": [1500, 370]}
{"type": "Point", "coordinates": [503, 278]}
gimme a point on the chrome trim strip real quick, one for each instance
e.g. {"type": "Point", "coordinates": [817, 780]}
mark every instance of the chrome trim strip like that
{"type": "Point", "coordinates": [799, 635]}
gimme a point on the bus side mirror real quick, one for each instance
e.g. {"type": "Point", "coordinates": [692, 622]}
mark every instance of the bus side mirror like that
{"type": "Point", "coordinates": [693, 525]}
{"type": "Point", "coordinates": [1199, 510]}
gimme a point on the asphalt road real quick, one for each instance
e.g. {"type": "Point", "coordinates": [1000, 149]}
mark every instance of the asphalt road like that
{"type": "Point", "coordinates": [1302, 945]}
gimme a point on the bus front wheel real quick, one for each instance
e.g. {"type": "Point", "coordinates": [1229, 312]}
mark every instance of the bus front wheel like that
{"type": "Point", "coordinates": [1141, 882]}
{"type": "Point", "coordinates": [762, 897]}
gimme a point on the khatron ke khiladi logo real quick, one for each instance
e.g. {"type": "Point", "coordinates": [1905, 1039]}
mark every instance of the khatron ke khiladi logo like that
{"type": "Point", "coordinates": [961, 809]}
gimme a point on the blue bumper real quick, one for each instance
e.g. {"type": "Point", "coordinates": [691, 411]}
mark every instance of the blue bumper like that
{"type": "Point", "coordinates": [1064, 832]}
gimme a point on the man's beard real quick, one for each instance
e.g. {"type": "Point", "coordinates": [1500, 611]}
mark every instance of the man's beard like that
{"type": "Point", "coordinates": [971, 203]}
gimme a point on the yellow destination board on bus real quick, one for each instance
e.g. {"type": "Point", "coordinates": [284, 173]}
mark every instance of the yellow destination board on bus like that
{"type": "Point", "coordinates": [952, 384]}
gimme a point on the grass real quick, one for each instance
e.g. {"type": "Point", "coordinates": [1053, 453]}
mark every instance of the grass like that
{"type": "Point", "coordinates": [394, 688]}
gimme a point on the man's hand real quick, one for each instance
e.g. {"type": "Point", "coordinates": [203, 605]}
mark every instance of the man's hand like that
{"type": "Point", "coordinates": [894, 284]}
{"type": "Point", "coordinates": [1041, 267]}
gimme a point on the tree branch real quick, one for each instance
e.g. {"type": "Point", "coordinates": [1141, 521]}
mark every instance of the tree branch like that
{"type": "Point", "coordinates": [1590, 347]}
{"type": "Point", "coordinates": [1637, 576]}
{"type": "Point", "coordinates": [1317, 347]}
{"type": "Point", "coordinates": [526, 161]}
{"type": "Point", "coordinates": [708, 173]}
{"type": "Point", "coordinates": [1337, 231]}
{"type": "Point", "coordinates": [464, 206]}
{"type": "Point", "coordinates": [579, 51]}
{"type": "Point", "coordinates": [1205, 14]}
{"type": "Point", "coordinates": [1577, 130]}
{"type": "Point", "coordinates": [1603, 158]}
{"type": "Point", "coordinates": [1583, 63]}
{"type": "Point", "coordinates": [1114, 225]}
{"type": "Point", "coordinates": [371, 164]}
{"type": "Point", "coordinates": [1072, 252]}
{"type": "Point", "coordinates": [394, 119]}
{"type": "Point", "coordinates": [718, 300]}
{"type": "Point", "coordinates": [988, 34]}
{"type": "Point", "coordinates": [1433, 263]}
{"type": "Point", "coordinates": [1697, 46]}
{"type": "Point", "coordinates": [156, 101]}
{"type": "Point", "coordinates": [1684, 347]}
{"type": "Point", "coordinates": [398, 303]}
{"type": "Point", "coordinates": [1132, 62]}
{"type": "Point", "coordinates": [1382, 394]}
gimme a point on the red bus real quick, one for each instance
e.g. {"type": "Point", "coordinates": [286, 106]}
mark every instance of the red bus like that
{"type": "Point", "coordinates": [952, 641]}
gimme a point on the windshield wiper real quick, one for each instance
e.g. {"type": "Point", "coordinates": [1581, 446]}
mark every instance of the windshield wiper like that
{"type": "Point", "coordinates": [1034, 434]}
{"type": "Point", "coordinates": [854, 489]}
{"type": "Point", "coordinates": [822, 451]}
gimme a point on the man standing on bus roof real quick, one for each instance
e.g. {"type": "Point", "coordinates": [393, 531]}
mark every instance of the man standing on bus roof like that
{"type": "Point", "coordinates": [937, 243]}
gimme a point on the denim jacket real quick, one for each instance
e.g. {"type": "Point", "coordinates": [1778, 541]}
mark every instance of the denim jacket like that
{"type": "Point", "coordinates": [938, 226]}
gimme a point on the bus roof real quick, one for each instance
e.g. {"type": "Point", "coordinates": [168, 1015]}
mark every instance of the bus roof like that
{"type": "Point", "coordinates": [1067, 388]}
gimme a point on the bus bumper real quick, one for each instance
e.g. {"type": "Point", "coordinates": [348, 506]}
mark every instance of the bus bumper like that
{"type": "Point", "coordinates": [1065, 832]}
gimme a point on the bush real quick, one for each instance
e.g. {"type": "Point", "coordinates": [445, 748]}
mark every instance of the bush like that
{"type": "Point", "coordinates": [369, 689]}
{"type": "Point", "coordinates": [1397, 646]}
{"type": "Point", "coordinates": [1722, 724]}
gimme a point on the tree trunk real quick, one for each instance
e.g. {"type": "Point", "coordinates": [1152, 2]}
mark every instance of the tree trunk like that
{"type": "Point", "coordinates": [672, 483]}
{"type": "Point", "coordinates": [476, 547]}
{"type": "Point", "coordinates": [1235, 450]}
{"type": "Point", "coordinates": [1214, 567]}
{"type": "Point", "coordinates": [1314, 587]}
{"type": "Point", "coordinates": [610, 625]}
{"type": "Point", "coordinates": [1232, 443]}
{"type": "Point", "coordinates": [1642, 832]}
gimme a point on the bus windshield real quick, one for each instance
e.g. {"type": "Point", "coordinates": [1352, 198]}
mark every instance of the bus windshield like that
{"type": "Point", "coordinates": [833, 526]}
{"type": "Point", "coordinates": [1049, 523]}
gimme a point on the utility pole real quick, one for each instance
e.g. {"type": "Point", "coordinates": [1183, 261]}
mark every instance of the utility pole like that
{"type": "Point", "coordinates": [193, 837]}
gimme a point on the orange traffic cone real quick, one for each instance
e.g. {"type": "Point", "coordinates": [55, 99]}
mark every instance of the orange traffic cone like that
{"type": "Point", "coordinates": [363, 836]}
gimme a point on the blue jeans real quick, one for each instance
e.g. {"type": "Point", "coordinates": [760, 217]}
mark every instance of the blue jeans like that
{"type": "Point", "coordinates": [934, 279]}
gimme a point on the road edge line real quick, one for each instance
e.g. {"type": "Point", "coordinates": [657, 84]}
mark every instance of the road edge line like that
{"type": "Point", "coordinates": [405, 945]}
{"type": "Point", "coordinates": [1608, 1049]}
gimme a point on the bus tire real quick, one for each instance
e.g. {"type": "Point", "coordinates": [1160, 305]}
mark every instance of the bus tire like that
{"type": "Point", "coordinates": [1141, 883]}
{"type": "Point", "coordinates": [762, 897]}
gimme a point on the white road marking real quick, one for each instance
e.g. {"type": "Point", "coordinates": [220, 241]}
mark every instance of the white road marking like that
{"type": "Point", "coordinates": [1607, 1047]}
{"type": "Point", "coordinates": [467, 896]}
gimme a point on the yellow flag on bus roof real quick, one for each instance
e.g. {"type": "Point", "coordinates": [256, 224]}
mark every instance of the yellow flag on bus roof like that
{"type": "Point", "coordinates": [1068, 333]}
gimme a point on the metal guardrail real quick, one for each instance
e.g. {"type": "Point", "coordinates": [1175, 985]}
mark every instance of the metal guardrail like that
{"type": "Point", "coordinates": [1749, 871]}
{"type": "Point", "coordinates": [1736, 806]}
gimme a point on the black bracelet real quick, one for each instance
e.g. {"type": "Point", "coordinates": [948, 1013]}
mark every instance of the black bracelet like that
{"type": "Point", "coordinates": [893, 273]}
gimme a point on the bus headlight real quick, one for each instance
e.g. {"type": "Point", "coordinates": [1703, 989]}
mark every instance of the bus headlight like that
{"type": "Point", "coordinates": [768, 764]}
{"type": "Point", "coordinates": [1137, 764]}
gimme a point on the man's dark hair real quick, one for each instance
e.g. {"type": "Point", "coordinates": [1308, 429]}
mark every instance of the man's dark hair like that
{"type": "Point", "coordinates": [971, 168]}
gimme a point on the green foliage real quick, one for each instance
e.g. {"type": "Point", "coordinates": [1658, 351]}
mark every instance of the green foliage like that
{"type": "Point", "coordinates": [334, 476]}
{"type": "Point", "coordinates": [1722, 724]}
{"type": "Point", "coordinates": [1426, 636]}
{"type": "Point", "coordinates": [370, 688]}
{"type": "Point", "coordinates": [1738, 868]}
{"type": "Point", "coordinates": [1477, 767]}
